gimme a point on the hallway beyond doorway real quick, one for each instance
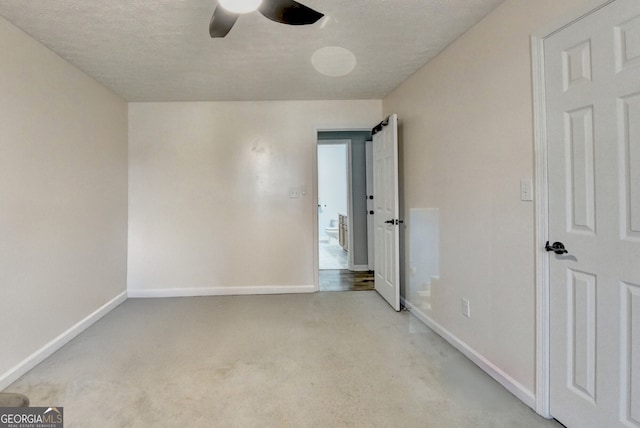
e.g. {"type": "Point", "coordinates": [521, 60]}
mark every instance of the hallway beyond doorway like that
{"type": "Point", "coordinates": [344, 280]}
{"type": "Point", "coordinates": [332, 256]}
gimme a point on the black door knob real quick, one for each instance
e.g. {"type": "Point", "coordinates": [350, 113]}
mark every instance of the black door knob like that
{"type": "Point", "coordinates": [556, 247]}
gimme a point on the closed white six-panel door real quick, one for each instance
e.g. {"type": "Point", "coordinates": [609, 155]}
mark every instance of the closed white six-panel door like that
{"type": "Point", "coordinates": [592, 75]}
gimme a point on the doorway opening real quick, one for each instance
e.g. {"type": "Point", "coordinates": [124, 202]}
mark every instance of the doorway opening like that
{"type": "Point", "coordinates": [333, 205]}
{"type": "Point", "coordinates": [343, 243]}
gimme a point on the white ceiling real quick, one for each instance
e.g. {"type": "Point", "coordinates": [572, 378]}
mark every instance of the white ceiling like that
{"type": "Point", "coordinates": [160, 50]}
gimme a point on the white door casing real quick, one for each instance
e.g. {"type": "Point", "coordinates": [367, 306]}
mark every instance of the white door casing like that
{"type": "Point", "coordinates": [590, 131]}
{"type": "Point", "coordinates": [386, 217]}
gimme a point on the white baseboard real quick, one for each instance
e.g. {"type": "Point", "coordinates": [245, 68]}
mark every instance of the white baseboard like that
{"type": "Point", "coordinates": [360, 268]}
{"type": "Point", "coordinates": [512, 385]}
{"type": "Point", "coordinates": [220, 291]}
{"type": "Point", "coordinates": [47, 350]}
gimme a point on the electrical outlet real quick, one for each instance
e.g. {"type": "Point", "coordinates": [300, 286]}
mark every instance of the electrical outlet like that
{"type": "Point", "coordinates": [466, 308]}
{"type": "Point", "coordinates": [294, 192]}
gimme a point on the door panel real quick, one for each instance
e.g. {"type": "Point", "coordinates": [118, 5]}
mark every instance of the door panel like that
{"type": "Point", "coordinates": [592, 75]}
{"type": "Point", "coordinates": [581, 364]}
{"type": "Point", "coordinates": [581, 171]}
{"type": "Point", "coordinates": [630, 370]}
{"type": "Point", "coordinates": [629, 118]}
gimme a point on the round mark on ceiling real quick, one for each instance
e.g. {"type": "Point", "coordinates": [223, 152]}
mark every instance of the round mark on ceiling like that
{"type": "Point", "coordinates": [334, 61]}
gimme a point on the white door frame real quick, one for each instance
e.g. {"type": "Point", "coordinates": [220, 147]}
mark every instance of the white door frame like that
{"type": "Point", "coordinates": [314, 211]}
{"type": "Point", "coordinates": [543, 363]}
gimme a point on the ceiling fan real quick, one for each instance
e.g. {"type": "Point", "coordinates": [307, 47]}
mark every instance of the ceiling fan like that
{"type": "Point", "coordinates": [283, 11]}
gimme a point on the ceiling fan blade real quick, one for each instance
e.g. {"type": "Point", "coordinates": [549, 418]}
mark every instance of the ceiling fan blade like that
{"type": "Point", "coordinates": [221, 22]}
{"type": "Point", "coordinates": [289, 12]}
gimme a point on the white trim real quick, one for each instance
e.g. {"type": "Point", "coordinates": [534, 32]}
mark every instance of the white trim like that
{"type": "Point", "coordinates": [221, 291]}
{"type": "Point", "coordinates": [314, 211]}
{"type": "Point", "coordinates": [512, 385]}
{"type": "Point", "coordinates": [541, 198]}
{"type": "Point", "coordinates": [360, 268]}
{"type": "Point", "coordinates": [314, 215]}
{"type": "Point", "coordinates": [543, 362]}
{"type": "Point", "coordinates": [587, 8]}
{"type": "Point", "coordinates": [348, 129]}
{"type": "Point", "coordinates": [350, 243]}
{"type": "Point", "coordinates": [47, 350]}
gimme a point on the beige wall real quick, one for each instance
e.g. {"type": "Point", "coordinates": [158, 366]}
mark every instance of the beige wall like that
{"type": "Point", "coordinates": [63, 196]}
{"type": "Point", "coordinates": [467, 138]}
{"type": "Point", "coordinates": [209, 206]}
{"type": "Point", "coordinates": [209, 210]}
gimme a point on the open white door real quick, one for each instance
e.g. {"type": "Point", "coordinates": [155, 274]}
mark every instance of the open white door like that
{"type": "Point", "coordinates": [592, 75]}
{"type": "Point", "coordinates": [387, 223]}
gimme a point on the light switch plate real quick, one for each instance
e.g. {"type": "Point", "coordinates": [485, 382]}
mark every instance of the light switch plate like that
{"type": "Point", "coordinates": [526, 189]}
{"type": "Point", "coordinates": [294, 192]}
{"type": "Point", "coordinates": [466, 308]}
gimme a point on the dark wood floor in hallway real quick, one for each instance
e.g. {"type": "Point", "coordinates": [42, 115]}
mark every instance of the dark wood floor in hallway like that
{"type": "Point", "coordinates": [345, 280]}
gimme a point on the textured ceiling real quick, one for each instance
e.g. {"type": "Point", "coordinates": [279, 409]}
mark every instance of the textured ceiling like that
{"type": "Point", "coordinates": [160, 50]}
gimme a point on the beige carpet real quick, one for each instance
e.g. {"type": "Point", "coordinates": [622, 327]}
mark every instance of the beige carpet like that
{"type": "Point", "coordinates": [319, 360]}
